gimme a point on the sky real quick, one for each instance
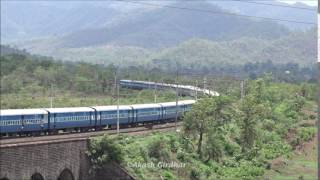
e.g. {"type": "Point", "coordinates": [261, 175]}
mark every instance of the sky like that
{"type": "Point", "coordinates": [308, 2]}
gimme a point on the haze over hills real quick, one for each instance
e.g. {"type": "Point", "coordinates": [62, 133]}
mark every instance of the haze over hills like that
{"type": "Point", "coordinates": [198, 53]}
{"type": "Point", "coordinates": [31, 20]}
{"type": "Point", "coordinates": [137, 33]}
{"type": "Point", "coordinates": [27, 20]}
{"type": "Point", "coordinates": [165, 27]}
{"type": "Point", "coordinates": [274, 9]}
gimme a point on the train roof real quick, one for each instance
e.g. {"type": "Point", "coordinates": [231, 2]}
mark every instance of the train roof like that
{"type": "Point", "coordinates": [187, 87]}
{"type": "Point", "coordinates": [179, 103]}
{"type": "Point", "coordinates": [72, 109]}
{"type": "Point", "coordinates": [13, 112]}
{"type": "Point", "coordinates": [141, 106]}
{"type": "Point", "coordinates": [189, 101]}
{"type": "Point", "coordinates": [106, 108]}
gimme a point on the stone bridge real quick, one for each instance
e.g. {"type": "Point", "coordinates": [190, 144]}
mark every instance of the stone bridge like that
{"type": "Point", "coordinates": [45, 160]}
{"type": "Point", "coordinates": [59, 159]}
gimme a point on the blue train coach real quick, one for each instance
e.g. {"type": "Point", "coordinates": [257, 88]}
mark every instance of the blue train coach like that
{"type": "Point", "coordinates": [71, 118]}
{"type": "Point", "coordinates": [107, 115]}
{"type": "Point", "coordinates": [23, 120]}
{"type": "Point", "coordinates": [146, 112]}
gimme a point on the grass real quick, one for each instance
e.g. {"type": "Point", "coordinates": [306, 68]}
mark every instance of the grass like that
{"type": "Point", "coordinates": [303, 165]}
{"type": "Point", "coordinates": [76, 99]}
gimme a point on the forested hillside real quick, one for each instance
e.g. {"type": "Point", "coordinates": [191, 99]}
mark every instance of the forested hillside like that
{"type": "Point", "coordinates": [165, 27]}
{"type": "Point", "coordinates": [30, 76]}
{"type": "Point", "coordinates": [30, 81]}
{"type": "Point", "coordinates": [147, 33]}
{"type": "Point", "coordinates": [225, 137]}
{"type": "Point", "coordinates": [297, 48]}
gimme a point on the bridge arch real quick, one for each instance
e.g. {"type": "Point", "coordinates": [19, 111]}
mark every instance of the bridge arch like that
{"type": "Point", "coordinates": [66, 174]}
{"type": "Point", "coordinates": [37, 176]}
{"type": "Point", "coordinates": [4, 178]}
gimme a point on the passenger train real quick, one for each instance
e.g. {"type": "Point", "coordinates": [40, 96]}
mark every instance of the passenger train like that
{"type": "Point", "coordinates": [52, 120]}
{"type": "Point", "coordinates": [182, 89]}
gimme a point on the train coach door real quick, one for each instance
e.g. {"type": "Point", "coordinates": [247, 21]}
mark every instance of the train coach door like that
{"type": "Point", "coordinates": [161, 112]}
{"type": "Point", "coordinates": [22, 123]}
{"type": "Point", "coordinates": [92, 119]}
{"type": "Point", "coordinates": [135, 116]}
{"type": "Point", "coordinates": [131, 115]}
{"type": "Point", "coordinates": [45, 121]}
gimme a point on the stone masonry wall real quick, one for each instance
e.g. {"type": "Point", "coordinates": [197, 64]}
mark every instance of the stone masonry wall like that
{"type": "Point", "coordinates": [48, 159]}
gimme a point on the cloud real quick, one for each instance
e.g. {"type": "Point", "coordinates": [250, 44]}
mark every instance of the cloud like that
{"type": "Point", "coordinates": [309, 2]}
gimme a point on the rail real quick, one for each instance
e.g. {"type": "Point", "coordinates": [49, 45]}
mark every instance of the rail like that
{"type": "Point", "coordinates": [140, 130]}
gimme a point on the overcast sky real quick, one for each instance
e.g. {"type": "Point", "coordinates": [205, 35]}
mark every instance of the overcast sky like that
{"type": "Point", "coordinates": [309, 2]}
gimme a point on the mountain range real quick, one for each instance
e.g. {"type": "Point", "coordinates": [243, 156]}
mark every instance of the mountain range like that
{"type": "Point", "coordinates": [141, 31]}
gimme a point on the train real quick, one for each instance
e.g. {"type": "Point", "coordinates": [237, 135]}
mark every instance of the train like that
{"type": "Point", "coordinates": [53, 120]}
{"type": "Point", "coordinates": [182, 89]}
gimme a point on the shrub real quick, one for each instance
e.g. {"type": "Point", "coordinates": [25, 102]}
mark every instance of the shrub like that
{"type": "Point", "coordinates": [306, 133]}
{"type": "Point", "coordinates": [167, 175]}
{"type": "Point", "coordinates": [181, 155]}
{"type": "Point", "coordinates": [231, 148]}
{"type": "Point", "coordinates": [195, 174]}
{"type": "Point", "coordinates": [103, 150]}
{"type": "Point", "coordinates": [246, 170]}
{"type": "Point", "coordinates": [144, 153]}
{"type": "Point", "coordinates": [174, 143]}
{"type": "Point", "coordinates": [276, 148]}
{"type": "Point", "coordinates": [158, 149]}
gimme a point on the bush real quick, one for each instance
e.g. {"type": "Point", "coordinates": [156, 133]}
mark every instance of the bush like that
{"type": "Point", "coordinates": [276, 148]}
{"type": "Point", "coordinates": [174, 143]}
{"type": "Point", "coordinates": [313, 117]}
{"type": "Point", "coordinates": [181, 155]}
{"type": "Point", "coordinates": [103, 150]}
{"type": "Point", "coordinates": [306, 133]}
{"type": "Point", "coordinates": [246, 170]}
{"type": "Point", "coordinates": [232, 148]}
{"type": "Point", "coordinates": [195, 174]}
{"type": "Point", "coordinates": [144, 153]}
{"type": "Point", "coordinates": [167, 175]}
{"type": "Point", "coordinates": [158, 149]}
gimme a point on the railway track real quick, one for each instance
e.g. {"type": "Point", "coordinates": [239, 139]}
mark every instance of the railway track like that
{"type": "Point", "coordinates": [140, 130]}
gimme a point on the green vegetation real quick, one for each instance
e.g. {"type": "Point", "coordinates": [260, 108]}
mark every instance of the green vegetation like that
{"type": "Point", "coordinates": [103, 150]}
{"type": "Point", "coordinates": [241, 57]}
{"type": "Point", "coordinates": [29, 81]}
{"type": "Point", "coordinates": [229, 138]}
{"type": "Point", "coordinates": [223, 137]}
{"type": "Point", "coordinates": [302, 165]}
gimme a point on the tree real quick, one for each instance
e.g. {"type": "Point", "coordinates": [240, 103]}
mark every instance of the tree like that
{"type": "Point", "coordinates": [247, 122]}
{"type": "Point", "coordinates": [104, 150]}
{"type": "Point", "coordinates": [214, 145]}
{"type": "Point", "coordinates": [206, 116]}
{"type": "Point", "coordinates": [251, 111]}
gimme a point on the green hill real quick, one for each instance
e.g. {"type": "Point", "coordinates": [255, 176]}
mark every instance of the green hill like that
{"type": "Point", "coordinates": [297, 48]}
